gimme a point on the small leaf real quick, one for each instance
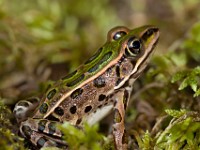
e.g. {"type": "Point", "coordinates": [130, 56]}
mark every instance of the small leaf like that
{"type": "Point", "coordinates": [183, 85]}
{"type": "Point", "coordinates": [175, 113]}
{"type": "Point", "coordinates": [147, 140]}
{"type": "Point", "coordinates": [179, 59]}
{"type": "Point", "coordinates": [197, 93]}
{"type": "Point", "coordinates": [196, 71]}
{"type": "Point", "coordinates": [192, 81]}
{"type": "Point", "coordinates": [189, 81]}
{"type": "Point", "coordinates": [178, 76]}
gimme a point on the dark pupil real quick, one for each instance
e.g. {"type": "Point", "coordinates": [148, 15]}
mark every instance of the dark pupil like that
{"type": "Point", "coordinates": [134, 46]}
{"type": "Point", "coordinates": [119, 35]}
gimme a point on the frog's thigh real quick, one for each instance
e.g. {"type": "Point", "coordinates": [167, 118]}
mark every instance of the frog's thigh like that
{"type": "Point", "coordinates": [121, 98]}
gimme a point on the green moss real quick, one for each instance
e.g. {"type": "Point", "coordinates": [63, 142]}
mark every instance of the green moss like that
{"type": "Point", "coordinates": [9, 140]}
{"type": "Point", "coordinates": [181, 133]}
{"type": "Point", "coordinates": [89, 138]}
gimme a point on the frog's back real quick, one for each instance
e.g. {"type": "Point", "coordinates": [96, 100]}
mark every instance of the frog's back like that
{"type": "Point", "coordinates": [77, 85]}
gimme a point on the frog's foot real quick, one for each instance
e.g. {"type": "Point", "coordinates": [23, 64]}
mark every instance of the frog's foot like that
{"type": "Point", "coordinates": [24, 108]}
{"type": "Point", "coordinates": [42, 133]}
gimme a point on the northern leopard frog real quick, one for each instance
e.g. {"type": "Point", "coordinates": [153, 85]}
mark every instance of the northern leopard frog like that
{"type": "Point", "coordinates": [103, 83]}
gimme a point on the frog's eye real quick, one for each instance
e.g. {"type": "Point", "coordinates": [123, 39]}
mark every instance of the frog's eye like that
{"type": "Point", "coordinates": [118, 35]}
{"type": "Point", "coordinates": [133, 47]}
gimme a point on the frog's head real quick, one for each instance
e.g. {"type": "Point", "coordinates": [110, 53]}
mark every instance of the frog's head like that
{"type": "Point", "coordinates": [136, 47]}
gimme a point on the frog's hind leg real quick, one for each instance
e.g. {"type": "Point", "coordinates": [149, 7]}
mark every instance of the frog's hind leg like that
{"type": "Point", "coordinates": [42, 133]}
{"type": "Point", "coordinates": [24, 108]}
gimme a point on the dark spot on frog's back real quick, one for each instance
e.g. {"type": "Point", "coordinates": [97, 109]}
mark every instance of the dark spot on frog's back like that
{"type": "Point", "coordinates": [52, 128]}
{"type": "Point", "coordinates": [88, 108]}
{"type": "Point", "coordinates": [99, 82]}
{"type": "Point", "coordinates": [76, 93]}
{"type": "Point", "coordinates": [52, 118]}
{"type": "Point", "coordinates": [51, 94]}
{"type": "Point", "coordinates": [41, 125]}
{"type": "Point", "coordinates": [78, 121]}
{"type": "Point", "coordinates": [59, 111]}
{"type": "Point", "coordinates": [105, 58]}
{"type": "Point", "coordinates": [94, 56]}
{"type": "Point", "coordinates": [73, 109]}
{"type": "Point", "coordinates": [76, 81]}
{"type": "Point", "coordinates": [43, 108]}
{"type": "Point", "coordinates": [102, 97]}
{"type": "Point", "coordinates": [69, 75]}
{"type": "Point", "coordinates": [101, 61]}
{"type": "Point", "coordinates": [41, 141]}
{"type": "Point", "coordinates": [94, 68]}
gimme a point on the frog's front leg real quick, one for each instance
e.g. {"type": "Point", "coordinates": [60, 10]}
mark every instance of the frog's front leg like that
{"type": "Point", "coordinates": [121, 98]}
{"type": "Point", "coordinates": [42, 133]}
